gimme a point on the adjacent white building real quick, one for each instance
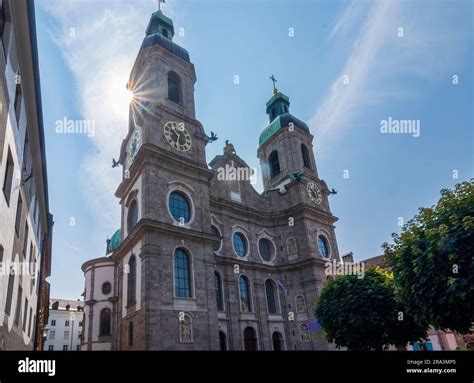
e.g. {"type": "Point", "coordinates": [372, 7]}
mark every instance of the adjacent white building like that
{"type": "Point", "coordinates": [64, 328]}
{"type": "Point", "coordinates": [25, 222]}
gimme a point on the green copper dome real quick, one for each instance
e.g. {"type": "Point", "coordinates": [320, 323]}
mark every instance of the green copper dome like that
{"type": "Point", "coordinates": [114, 242]}
{"type": "Point", "coordinates": [280, 122]}
{"type": "Point", "coordinates": [160, 30]}
{"type": "Point", "coordinates": [277, 96]}
{"type": "Point", "coordinates": [278, 112]}
{"type": "Point", "coordinates": [160, 24]}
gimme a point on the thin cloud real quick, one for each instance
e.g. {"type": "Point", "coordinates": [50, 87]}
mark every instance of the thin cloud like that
{"type": "Point", "coordinates": [382, 64]}
{"type": "Point", "coordinates": [99, 41]}
{"type": "Point", "coordinates": [349, 17]}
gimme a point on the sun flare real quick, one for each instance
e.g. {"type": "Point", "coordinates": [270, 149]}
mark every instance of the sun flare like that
{"type": "Point", "coordinates": [118, 99]}
{"type": "Point", "coordinates": [128, 96]}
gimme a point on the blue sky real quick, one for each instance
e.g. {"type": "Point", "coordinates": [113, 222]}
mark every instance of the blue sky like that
{"type": "Point", "coordinates": [87, 49]}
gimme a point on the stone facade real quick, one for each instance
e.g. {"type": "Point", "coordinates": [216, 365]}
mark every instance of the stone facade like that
{"type": "Point", "coordinates": [291, 217]}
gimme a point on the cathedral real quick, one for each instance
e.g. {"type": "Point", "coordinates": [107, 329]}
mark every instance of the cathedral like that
{"type": "Point", "coordinates": [201, 261]}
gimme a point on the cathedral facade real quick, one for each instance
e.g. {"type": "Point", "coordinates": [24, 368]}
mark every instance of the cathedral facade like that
{"type": "Point", "coordinates": [202, 260]}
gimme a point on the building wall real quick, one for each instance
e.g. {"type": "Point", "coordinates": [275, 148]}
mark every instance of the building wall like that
{"type": "Point", "coordinates": [98, 272]}
{"type": "Point", "coordinates": [19, 72]}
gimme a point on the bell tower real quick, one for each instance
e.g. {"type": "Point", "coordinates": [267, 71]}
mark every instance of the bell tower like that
{"type": "Point", "coordinates": [166, 257]}
{"type": "Point", "coordinates": [174, 78]}
{"type": "Point", "coordinates": [285, 145]}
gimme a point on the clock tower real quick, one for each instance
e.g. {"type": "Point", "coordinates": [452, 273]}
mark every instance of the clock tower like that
{"type": "Point", "coordinates": [286, 152]}
{"type": "Point", "coordinates": [166, 260]}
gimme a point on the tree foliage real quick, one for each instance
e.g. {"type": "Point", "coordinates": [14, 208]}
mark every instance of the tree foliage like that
{"type": "Point", "coordinates": [363, 313]}
{"type": "Point", "coordinates": [433, 261]}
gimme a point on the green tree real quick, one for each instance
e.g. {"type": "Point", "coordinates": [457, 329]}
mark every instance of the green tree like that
{"type": "Point", "coordinates": [363, 313]}
{"type": "Point", "coordinates": [433, 261]}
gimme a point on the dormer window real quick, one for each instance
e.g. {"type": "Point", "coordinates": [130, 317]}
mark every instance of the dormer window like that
{"type": "Point", "coordinates": [165, 33]}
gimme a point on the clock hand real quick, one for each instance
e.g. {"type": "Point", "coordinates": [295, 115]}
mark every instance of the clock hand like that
{"type": "Point", "coordinates": [177, 133]}
{"type": "Point", "coordinates": [174, 130]}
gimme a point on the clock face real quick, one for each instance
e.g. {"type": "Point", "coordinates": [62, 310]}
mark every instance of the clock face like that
{"type": "Point", "coordinates": [177, 136]}
{"type": "Point", "coordinates": [134, 146]}
{"type": "Point", "coordinates": [314, 193]}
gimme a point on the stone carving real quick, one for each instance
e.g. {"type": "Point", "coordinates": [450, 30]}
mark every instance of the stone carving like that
{"type": "Point", "coordinates": [185, 331]}
{"type": "Point", "coordinates": [229, 148]}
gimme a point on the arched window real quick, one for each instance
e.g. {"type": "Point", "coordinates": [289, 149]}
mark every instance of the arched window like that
{"type": "Point", "coordinates": [165, 33]}
{"type": "Point", "coordinates": [105, 322]}
{"type": "Point", "coordinates": [219, 293]}
{"type": "Point", "coordinates": [306, 157]}
{"type": "Point", "coordinates": [266, 249]}
{"type": "Point", "coordinates": [11, 282]}
{"type": "Point", "coordinates": [174, 87]}
{"type": "Point", "coordinates": [240, 244]}
{"type": "Point", "coordinates": [217, 233]}
{"type": "Point", "coordinates": [250, 339]}
{"type": "Point", "coordinates": [222, 341]}
{"type": "Point", "coordinates": [235, 186]}
{"type": "Point", "coordinates": [323, 246]}
{"type": "Point", "coordinates": [185, 329]}
{"type": "Point", "coordinates": [131, 281]}
{"type": "Point", "coordinates": [132, 216]}
{"type": "Point", "coordinates": [277, 340]}
{"type": "Point", "coordinates": [300, 304]}
{"type": "Point", "coordinates": [179, 207]}
{"type": "Point", "coordinates": [304, 333]}
{"type": "Point", "coordinates": [182, 274]}
{"type": "Point", "coordinates": [271, 290]}
{"type": "Point", "coordinates": [291, 247]}
{"type": "Point", "coordinates": [130, 334]}
{"type": "Point", "coordinates": [245, 295]}
{"type": "Point", "coordinates": [274, 164]}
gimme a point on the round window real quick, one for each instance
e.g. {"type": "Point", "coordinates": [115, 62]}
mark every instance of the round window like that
{"type": "Point", "coordinates": [240, 244]}
{"type": "Point", "coordinates": [216, 232]}
{"type": "Point", "coordinates": [179, 207]}
{"type": "Point", "coordinates": [106, 288]}
{"type": "Point", "coordinates": [323, 246]}
{"type": "Point", "coordinates": [266, 248]}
